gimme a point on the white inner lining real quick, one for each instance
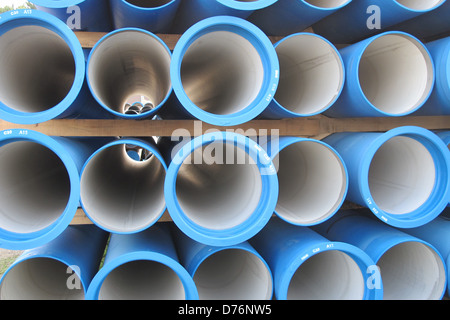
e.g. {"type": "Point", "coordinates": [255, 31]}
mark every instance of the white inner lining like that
{"type": "Point", "coordinates": [412, 271]}
{"type": "Point", "coordinates": [233, 274]}
{"type": "Point", "coordinates": [396, 74]}
{"type": "Point", "coordinates": [34, 184]}
{"type": "Point", "coordinates": [329, 275]}
{"type": "Point", "coordinates": [222, 72]}
{"type": "Point", "coordinates": [402, 175]}
{"type": "Point", "coordinates": [420, 4]}
{"type": "Point", "coordinates": [37, 72]}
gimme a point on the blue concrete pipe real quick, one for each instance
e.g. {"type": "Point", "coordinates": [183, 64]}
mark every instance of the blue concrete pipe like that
{"type": "Point", "coordinates": [410, 268]}
{"type": "Point", "coordinates": [42, 76]}
{"type": "Point", "coordinates": [79, 15]}
{"type": "Point", "coordinates": [156, 17]}
{"type": "Point", "coordinates": [312, 77]}
{"type": "Point", "coordinates": [364, 18]}
{"type": "Point", "coordinates": [40, 183]}
{"type": "Point", "coordinates": [192, 11]}
{"type": "Point", "coordinates": [387, 75]}
{"type": "Point", "coordinates": [122, 185]}
{"type": "Point", "coordinates": [221, 188]}
{"type": "Point", "coordinates": [233, 63]}
{"type": "Point", "coordinates": [62, 269]}
{"type": "Point", "coordinates": [127, 66]}
{"type": "Point", "coordinates": [142, 265]}
{"type": "Point", "coordinates": [401, 175]}
{"type": "Point", "coordinates": [236, 272]}
{"type": "Point", "coordinates": [312, 177]}
{"type": "Point", "coordinates": [438, 103]}
{"type": "Point", "coordinates": [286, 17]}
{"type": "Point", "coordinates": [306, 265]}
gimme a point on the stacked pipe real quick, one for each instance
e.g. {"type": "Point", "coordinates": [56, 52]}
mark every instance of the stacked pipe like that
{"type": "Point", "coordinates": [252, 218]}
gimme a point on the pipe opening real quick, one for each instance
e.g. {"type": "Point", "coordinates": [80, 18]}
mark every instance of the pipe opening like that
{"type": "Point", "coordinates": [233, 274]}
{"type": "Point", "coordinates": [412, 271]}
{"type": "Point", "coordinates": [312, 181]}
{"type": "Point", "coordinates": [222, 72]}
{"type": "Point", "coordinates": [311, 74]}
{"type": "Point", "coordinates": [142, 280]}
{"type": "Point", "coordinates": [122, 188]}
{"type": "Point", "coordinates": [218, 186]}
{"type": "Point", "coordinates": [402, 175]}
{"type": "Point", "coordinates": [127, 64]}
{"type": "Point", "coordinates": [149, 4]}
{"type": "Point", "coordinates": [396, 74]}
{"type": "Point", "coordinates": [329, 4]}
{"type": "Point", "coordinates": [35, 187]}
{"type": "Point", "coordinates": [37, 72]}
{"type": "Point", "coordinates": [329, 275]}
{"type": "Point", "coordinates": [420, 4]}
{"type": "Point", "coordinates": [41, 279]}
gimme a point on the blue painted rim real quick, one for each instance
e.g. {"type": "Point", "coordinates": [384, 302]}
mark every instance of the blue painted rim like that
{"type": "Point", "coordinates": [27, 17]}
{"type": "Point", "coordinates": [438, 199]}
{"type": "Point", "coordinates": [286, 142]}
{"type": "Point", "coordinates": [325, 9]}
{"type": "Point", "coordinates": [20, 241]}
{"type": "Point", "coordinates": [56, 4]}
{"type": "Point", "coordinates": [338, 54]}
{"type": "Point", "coordinates": [250, 6]}
{"type": "Point", "coordinates": [127, 3]}
{"type": "Point", "coordinates": [136, 142]}
{"type": "Point", "coordinates": [247, 229]}
{"type": "Point", "coordinates": [97, 282]}
{"type": "Point", "coordinates": [261, 43]}
{"type": "Point", "coordinates": [357, 61]}
{"type": "Point", "coordinates": [419, 11]}
{"type": "Point", "coordinates": [116, 113]}
{"type": "Point", "coordinates": [358, 255]}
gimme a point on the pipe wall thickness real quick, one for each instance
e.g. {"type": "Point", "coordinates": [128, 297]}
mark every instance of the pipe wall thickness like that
{"type": "Point", "coordinates": [286, 17]}
{"type": "Point", "coordinates": [365, 18]}
{"type": "Point", "coordinates": [305, 265]}
{"type": "Point", "coordinates": [387, 75]}
{"type": "Point", "coordinates": [143, 266]}
{"type": "Point", "coordinates": [401, 175]}
{"type": "Point", "coordinates": [423, 270]}
{"type": "Point", "coordinates": [40, 182]}
{"type": "Point", "coordinates": [59, 270]}
{"type": "Point", "coordinates": [221, 188]}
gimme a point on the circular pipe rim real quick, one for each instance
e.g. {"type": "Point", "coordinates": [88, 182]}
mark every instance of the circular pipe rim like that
{"type": "Point", "coordinates": [293, 140]}
{"type": "Point", "coordinates": [250, 6]}
{"type": "Point", "coordinates": [343, 76]}
{"type": "Point", "coordinates": [417, 10]}
{"type": "Point", "coordinates": [123, 141]}
{"type": "Point", "coordinates": [19, 241]}
{"type": "Point", "coordinates": [357, 62]}
{"type": "Point", "coordinates": [325, 9]}
{"type": "Point", "coordinates": [187, 281]}
{"type": "Point", "coordinates": [33, 17]}
{"type": "Point", "coordinates": [243, 231]}
{"type": "Point", "coordinates": [359, 256]}
{"type": "Point", "coordinates": [56, 4]}
{"type": "Point", "coordinates": [257, 39]}
{"type": "Point", "coordinates": [441, 190]}
{"type": "Point", "coordinates": [110, 110]}
{"type": "Point", "coordinates": [127, 3]}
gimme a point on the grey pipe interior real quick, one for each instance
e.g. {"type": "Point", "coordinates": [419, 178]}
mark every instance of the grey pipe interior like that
{"type": "Point", "coordinates": [420, 4]}
{"type": "Point", "coordinates": [312, 182]}
{"type": "Point", "coordinates": [120, 193]}
{"type": "Point", "coordinates": [329, 4]}
{"type": "Point", "coordinates": [329, 275]}
{"type": "Point", "coordinates": [402, 175]}
{"type": "Point", "coordinates": [37, 72]}
{"type": "Point", "coordinates": [233, 274]}
{"type": "Point", "coordinates": [396, 73]}
{"type": "Point", "coordinates": [142, 280]}
{"type": "Point", "coordinates": [311, 74]}
{"type": "Point", "coordinates": [127, 64]}
{"type": "Point", "coordinates": [215, 193]}
{"type": "Point", "coordinates": [222, 72]}
{"type": "Point", "coordinates": [412, 271]}
{"type": "Point", "coordinates": [41, 279]}
{"type": "Point", "coordinates": [34, 184]}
